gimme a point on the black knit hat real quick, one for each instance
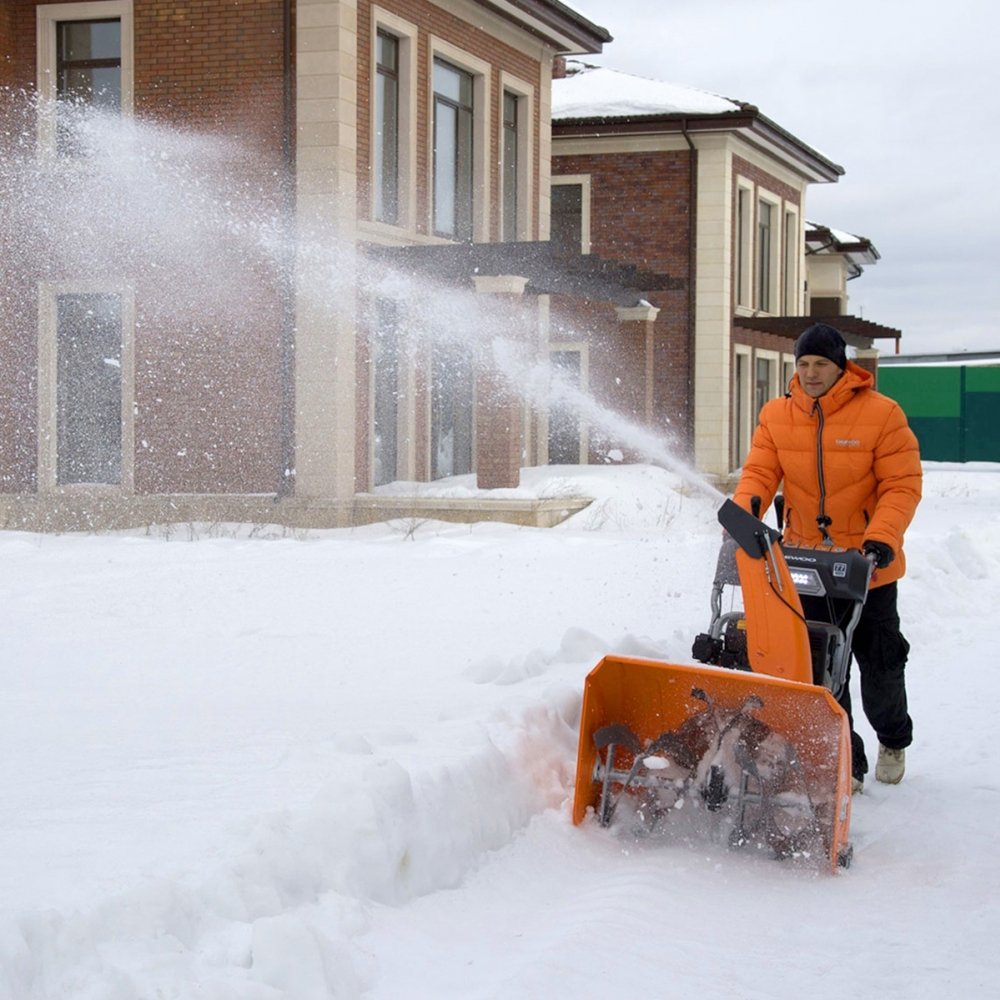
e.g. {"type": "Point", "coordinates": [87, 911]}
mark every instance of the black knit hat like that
{"type": "Point", "coordinates": [824, 341]}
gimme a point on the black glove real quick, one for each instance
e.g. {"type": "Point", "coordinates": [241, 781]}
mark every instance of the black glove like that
{"type": "Point", "coordinates": [880, 552]}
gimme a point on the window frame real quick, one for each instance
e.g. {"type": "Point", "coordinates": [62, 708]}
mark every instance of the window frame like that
{"type": "Point", "coordinates": [583, 181]}
{"type": "Point", "coordinates": [47, 20]}
{"type": "Point", "coordinates": [524, 96]}
{"type": "Point", "coordinates": [481, 72]}
{"type": "Point", "coordinates": [773, 361]}
{"type": "Point", "coordinates": [767, 259]}
{"type": "Point", "coordinates": [582, 348]}
{"type": "Point", "coordinates": [405, 34]}
{"type": "Point", "coordinates": [792, 240]}
{"type": "Point", "coordinates": [742, 403]}
{"type": "Point", "coordinates": [385, 134]}
{"type": "Point", "coordinates": [744, 242]}
{"type": "Point", "coordinates": [48, 333]}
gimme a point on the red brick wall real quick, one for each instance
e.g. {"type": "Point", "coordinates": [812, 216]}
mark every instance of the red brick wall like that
{"type": "Point", "coordinates": [207, 357]}
{"type": "Point", "coordinates": [6, 44]}
{"type": "Point", "coordinates": [640, 214]}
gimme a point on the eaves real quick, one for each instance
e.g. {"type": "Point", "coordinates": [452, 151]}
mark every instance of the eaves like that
{"type": "Point", "coordinates": [554, 23]}
{"type": "Point", "coordinates": [746, 122]}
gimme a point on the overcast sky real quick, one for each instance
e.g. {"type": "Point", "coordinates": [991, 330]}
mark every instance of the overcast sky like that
{"type": "Point", "coordinates": [901, 94]}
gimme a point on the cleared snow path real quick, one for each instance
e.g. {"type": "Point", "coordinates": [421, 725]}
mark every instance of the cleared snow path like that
{"type": "Point", "coordinates": [340, 767]}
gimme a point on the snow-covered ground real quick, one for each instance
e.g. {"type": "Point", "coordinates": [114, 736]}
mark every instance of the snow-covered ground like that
{"type": "Point", "coordinates": [239, 766]}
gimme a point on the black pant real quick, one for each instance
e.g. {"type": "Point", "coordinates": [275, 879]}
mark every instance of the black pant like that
{"type": "Point", "coordinates": [880, 650]}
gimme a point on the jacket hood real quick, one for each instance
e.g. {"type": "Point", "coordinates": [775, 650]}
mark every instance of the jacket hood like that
{"type": "Point", "coordinates": [853, 380]}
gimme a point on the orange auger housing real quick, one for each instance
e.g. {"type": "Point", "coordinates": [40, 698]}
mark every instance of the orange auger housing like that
{"type": "Point", "coordinates": [765, 754]}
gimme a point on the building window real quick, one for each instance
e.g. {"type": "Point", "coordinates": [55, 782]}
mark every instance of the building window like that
{"type": "Point", "coordinates": [762, 384]}
{"type": "Point", "coordinates": [386, 381]}
{"type": "Point", "coordinates": [568, 219]}
{"type": "Point", "coordinates": [743, 256]}
{"type": "Point", "coordinates": [452, 413]}
{"type": "Point", "coordinates": [764, 256]}
{"type": "Point", "coordinates": [89, 62]}
{"type": "Point", "coordinates": [386, 151]}
{"type": "Point", "coordinates": [566, 442]}
{"type": "Point", "coordinates": [453, 151]}
{"type": "Point", "coordinates": [88, 75]}
{"type": "Point", "coordinates": [511, 164]}
{"type": "Point", "coordinates": [740, 423]}
{"type": "Point", "coordinates": [787, 371]}
{"type": "Point", "coordinates": [790, 272]}
{"type": "Point", "coordinates": [84, 61]}
{"type": "Point", "coordinates": [88, 389]}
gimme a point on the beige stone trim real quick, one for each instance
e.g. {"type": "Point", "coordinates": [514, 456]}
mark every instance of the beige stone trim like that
{"type": "Point", "coordinates": [47, 16]}
{"type": "Point", "coordinates": [527, 99]}
{"type": "Point", "coordinates": [585, 198]}
{"type": "Point", "coordinates": [408, 34]}
{"type": "Point", "coordinates": [636, 314]}
{"type": "Point", "coordinates": [713, 306]}
{"type": "Point", "coordinates": [48, 293]}
{"type": "Point", "coordinates": [500, 284]}
{"type": "Point", "coordinates": [326, 178]}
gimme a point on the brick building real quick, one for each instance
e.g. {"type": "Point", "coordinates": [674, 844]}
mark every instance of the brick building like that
{"type": "Point", "coordinates": [712, 192]}
{"type": "Point", "coordinates": [194, 322]}
{"type": "Point", "coordinates": [261, 259]}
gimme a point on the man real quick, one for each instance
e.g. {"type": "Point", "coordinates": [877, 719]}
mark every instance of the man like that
{"type": "Point", "coordinates": [852, 479]}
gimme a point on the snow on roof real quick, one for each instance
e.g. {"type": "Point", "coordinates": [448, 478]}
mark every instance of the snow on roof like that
{"type": "Point", "coordinates": [840, 235]}
{"type": "Point", "coordinates": [597, 92]}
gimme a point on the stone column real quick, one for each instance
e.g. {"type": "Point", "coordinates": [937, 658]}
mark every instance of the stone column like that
{"type": "Point", "coordinates": [635, 363]}
{"type": "Point", "coordinates": [326, 220]}
{"type": "Point", "coordinates": [867, 358]}
{"type": "Point", "coordinates": [499, 408]}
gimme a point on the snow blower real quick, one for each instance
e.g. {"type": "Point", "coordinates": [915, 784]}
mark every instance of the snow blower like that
{"type": "Point", "coordinates": [750, 742]}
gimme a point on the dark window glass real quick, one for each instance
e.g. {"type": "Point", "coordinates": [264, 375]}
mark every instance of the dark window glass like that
{"type": "Point", "coordinates": [567, 218]}
{"type": "Point", "coordinates": [89, 62]}
{"type": "Point", "coordinates": [386, 154]}
{"type": "Point", "coordinates": [88, 389]}
{"type": "Point", "coordinates": [386, 372]}
{"type": "Point", "coordinates": [453, 159]}
{"type": "Point", "coordinates": [88, 74]}
{"type": "Point", "coordinates": [764, 256]}
{"type": "Point", "coordinates": [511, 143]}
{"type": "Point", "coordinates": [564, 419]}
{"type": "Point", "coordinates": [452, 382]}
{"type": "Point", "coordinates": [742, 257]}
{"type": "Point", "coordinates": [762, 386]}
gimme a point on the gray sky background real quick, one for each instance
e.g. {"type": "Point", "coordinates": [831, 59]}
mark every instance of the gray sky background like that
{"type": "Point", "coordinates": [898, 93]}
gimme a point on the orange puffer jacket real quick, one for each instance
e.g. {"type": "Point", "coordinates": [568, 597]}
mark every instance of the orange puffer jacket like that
{"type": "Point", "coordinates": [849, 457]}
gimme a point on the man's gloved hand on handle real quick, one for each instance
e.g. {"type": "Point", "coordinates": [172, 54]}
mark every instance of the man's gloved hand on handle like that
{"type": "Point", "coordinates": [879, 553]}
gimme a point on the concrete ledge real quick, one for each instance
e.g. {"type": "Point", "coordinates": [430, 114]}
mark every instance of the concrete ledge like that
{"type": "Point", "coordinates": [96, 511]}
{"type": "Point", "coordinates": [529, 513]}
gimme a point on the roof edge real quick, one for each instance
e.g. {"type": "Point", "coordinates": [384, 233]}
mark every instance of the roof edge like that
{"type": "Point", "coordinates": [748, 117]}
{"type": "Point", "coordinates": [558, 24]}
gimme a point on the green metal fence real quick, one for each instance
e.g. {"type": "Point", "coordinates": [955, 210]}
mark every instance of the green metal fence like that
{"type": "Point", "coordinates": [953, 410]}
